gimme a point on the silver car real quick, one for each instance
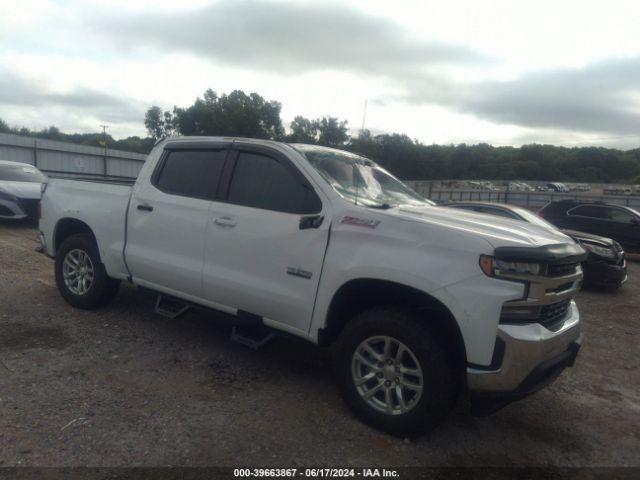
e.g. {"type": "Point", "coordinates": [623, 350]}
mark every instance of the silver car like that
{"type": "Point", "coordinates": [20, 190]}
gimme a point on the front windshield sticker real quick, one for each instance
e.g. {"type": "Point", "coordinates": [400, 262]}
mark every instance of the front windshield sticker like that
{"type": "Point", "coordinates": [360, 222]}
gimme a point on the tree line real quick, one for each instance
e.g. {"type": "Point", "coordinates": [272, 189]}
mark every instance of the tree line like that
{"type": "Point", "coordinates": [251, 115]}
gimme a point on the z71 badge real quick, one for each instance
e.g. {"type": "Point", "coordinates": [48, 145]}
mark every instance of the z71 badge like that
{"type": "Point", "coordinates": [360, 222]}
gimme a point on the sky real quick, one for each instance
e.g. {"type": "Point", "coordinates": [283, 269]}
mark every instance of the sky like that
{"type": "Point", "coordinates": [500, 72]}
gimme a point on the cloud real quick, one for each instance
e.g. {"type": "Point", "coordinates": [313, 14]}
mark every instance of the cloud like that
{"type": "Point", "coordinates": [343, 52]}
{"type": "Point", "coordinates": [17, 91]}
{"type": "Point", "coordinates": [285, 38]}
{"type": "Point", "coordinates": [602, 97]}
{"type": "Point", "coordinates": [302, 37]}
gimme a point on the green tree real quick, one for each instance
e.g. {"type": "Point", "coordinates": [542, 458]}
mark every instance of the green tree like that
{"type": "Point", "coordinates": [159, 124]}
{"type": "Point", "coordinates": [153, 121]}
{"type": "Point", "coordinates": [303, 130]}
{"type": "Point", "coordinates": [235, 114]}
{"type": "Point", "coordinates": [332, 132]}
{"type": "Point", "coordinates": [135, 144]}
{"type": "Point", "coordinates": [52, 133]}
{"type": "Point", "coordinates": [4, 127]}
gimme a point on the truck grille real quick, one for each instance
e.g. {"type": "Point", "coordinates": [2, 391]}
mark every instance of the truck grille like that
{"type": "Point", "coordinates": [562, 269]}
{"type": "Point", "coordinates": [552, 315]}
{"type": "Point", "coordinates": [30, 207]}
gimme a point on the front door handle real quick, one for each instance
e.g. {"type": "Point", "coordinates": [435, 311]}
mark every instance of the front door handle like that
{"type": "Point", "coordinates": [225, 222]}
{"type": "Point", "coordinates": [145, 208]}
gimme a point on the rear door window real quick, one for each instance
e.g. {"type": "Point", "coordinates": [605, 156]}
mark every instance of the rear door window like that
{"type": "Point", "coordinates": [191, 173]}
{"type": "Point", "coordinates": [591, 211]}
{"type": "Point", "coordinates": [621, 216]}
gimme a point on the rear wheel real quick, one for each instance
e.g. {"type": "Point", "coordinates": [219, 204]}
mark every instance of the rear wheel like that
{"type": "Point", "coordinates": [393, 372]}
{"type": "Point", "coordinates": [80, 275]}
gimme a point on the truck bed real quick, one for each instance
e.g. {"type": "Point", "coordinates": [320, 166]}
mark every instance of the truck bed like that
{"type": "Point", "coordinates": [101, 205]}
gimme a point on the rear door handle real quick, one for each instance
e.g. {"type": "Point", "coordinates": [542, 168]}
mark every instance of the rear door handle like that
{"type": "Point", "coordinates": [225, 221]}
{"type": "Point", "coordinates": [145, 208]}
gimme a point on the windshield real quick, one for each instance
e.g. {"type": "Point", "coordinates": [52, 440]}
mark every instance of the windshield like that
{"type": "Point", "coordinates": [21, 173]}
{"type": "Point", "coordinates": [359, 179]}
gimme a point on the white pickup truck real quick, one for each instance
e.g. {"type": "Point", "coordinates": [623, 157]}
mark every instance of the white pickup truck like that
{"type": "Point", "coordinates": [418, 303]}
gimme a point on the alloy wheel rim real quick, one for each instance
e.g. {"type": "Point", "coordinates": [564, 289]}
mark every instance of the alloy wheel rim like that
{"type": "Point", "coordinates": [77, 271]}
{"type": "Point", "coordinates": [387, 375]}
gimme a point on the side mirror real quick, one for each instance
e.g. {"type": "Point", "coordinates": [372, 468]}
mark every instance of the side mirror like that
{"type": "Point", "coordinates": [311, 221]}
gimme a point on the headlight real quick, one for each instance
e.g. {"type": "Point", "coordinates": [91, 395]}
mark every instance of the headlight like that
{"type": "Point", "coordinates": [494, 268]}
{"type": "Point", "coordinates": [605, 252]}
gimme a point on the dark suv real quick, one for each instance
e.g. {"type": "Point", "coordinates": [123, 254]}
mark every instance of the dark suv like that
{"type": "Point", "coordinates": [605, 265]}
{"type": "Point", "coordinates": [614, 221]}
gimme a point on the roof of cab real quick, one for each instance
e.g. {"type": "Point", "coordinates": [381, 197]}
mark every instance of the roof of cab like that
{"type": "Point", "coordinates": [300, 147]}
{"type": "Point", "coordinates": [218, 139]}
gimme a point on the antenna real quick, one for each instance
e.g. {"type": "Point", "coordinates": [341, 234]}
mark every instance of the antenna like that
{"type": "Point", "coordinates": [364, 114]}
{"type": "Point", "coordinates": [355, 179]}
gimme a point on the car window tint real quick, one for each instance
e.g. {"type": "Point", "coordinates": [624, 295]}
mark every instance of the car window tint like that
{"type": "Point", "coordinates": [592, 211]}
{"type": "Point", "coordinates": [191, 173]}
{"type": "Point", "coordinates": [619, 215]}
{"type": "Point", "coordinates": [260, 181]}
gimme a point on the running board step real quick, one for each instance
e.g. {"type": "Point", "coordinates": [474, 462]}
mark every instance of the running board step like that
{"type": "Point", "coordinates": [251, 337]}
{"type": "Point", "coordinates": [170, 307]}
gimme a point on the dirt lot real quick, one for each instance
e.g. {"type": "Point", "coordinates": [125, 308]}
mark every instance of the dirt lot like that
{"type": "Point", "coordinates": [123, 386]}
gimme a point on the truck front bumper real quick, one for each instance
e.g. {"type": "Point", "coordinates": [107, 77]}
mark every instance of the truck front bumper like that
{"type": "Point", "coordinates": [532, 357]}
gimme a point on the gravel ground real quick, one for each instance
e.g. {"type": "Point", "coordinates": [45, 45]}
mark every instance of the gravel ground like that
{"type": "Point", "coordinates": [124, 387]}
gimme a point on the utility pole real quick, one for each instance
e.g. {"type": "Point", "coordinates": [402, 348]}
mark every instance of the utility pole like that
{"type": "Point", "coordinates": [104, 138]}
{"type": "Point", "coordinates": [104, 143]}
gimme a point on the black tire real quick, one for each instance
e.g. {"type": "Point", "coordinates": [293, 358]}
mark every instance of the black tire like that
{"type": "Point", "coordinates": [102, 289]}
{"type": "Point", "coordinates": [439, 383]}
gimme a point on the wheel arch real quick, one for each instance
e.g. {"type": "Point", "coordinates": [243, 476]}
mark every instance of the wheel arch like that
{"type": "Point", "coordinates": [68, 226]}
{"type": "Point", "coordinates": [362, 294]}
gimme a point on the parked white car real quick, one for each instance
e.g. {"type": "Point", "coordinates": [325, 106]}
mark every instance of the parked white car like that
{"type": "Point", "coordinates": [20, 185]}
{"type": "Point", "coordinates": [520, 187]}
{"type": "Point", "coordinates": [416, 302]}
{"type": "Point", "coordinates": [557, 187]}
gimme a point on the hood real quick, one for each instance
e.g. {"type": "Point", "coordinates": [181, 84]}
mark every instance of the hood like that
{"type": "Point", "coordinates": [26, 190]}
{"type": "Point", "coordinates": [498, 231]}
{"type": "Point", "coordinates": [589, 237]}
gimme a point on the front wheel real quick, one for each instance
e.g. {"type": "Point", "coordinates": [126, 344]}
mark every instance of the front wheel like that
{"type": "Point", "coordinates": [393, 372]}
{"type": "Point", "coordinates": [80, 275]}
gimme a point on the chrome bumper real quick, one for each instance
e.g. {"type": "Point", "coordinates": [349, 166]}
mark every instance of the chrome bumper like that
{"type": "Point", "coordinates": [528, 349]}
